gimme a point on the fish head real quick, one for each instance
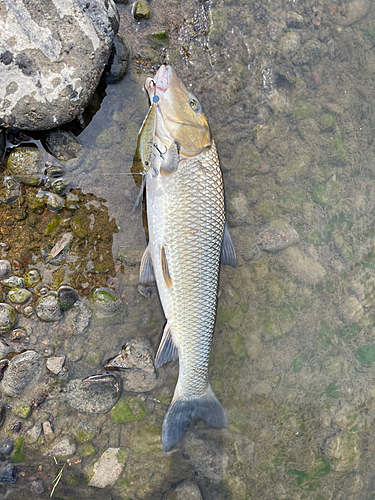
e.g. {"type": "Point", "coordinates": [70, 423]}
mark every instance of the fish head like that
{"type": "Point", "coordinates": [179, 114]}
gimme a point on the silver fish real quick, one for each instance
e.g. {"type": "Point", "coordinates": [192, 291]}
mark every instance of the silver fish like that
{"type": "Point", "coordinates": [187, 236]}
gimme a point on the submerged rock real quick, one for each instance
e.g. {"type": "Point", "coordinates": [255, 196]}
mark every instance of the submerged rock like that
{"type": "Point", "coordinates": [278, 236]}
{"type": "Point", "coordinates": [94, 394]}
{"type": "Point", "coordinates": [62, 145]}
{"type": "Point", "coordinates": [53, 54]}
{"type": "Point", "coordinates": [187, 490]}
{"type": "Point", "coordinates": [8, 318]}
{"type": "Point", "coordinates": [77, 319]}
{"type": "Point", "coordinates": [141, 10]}
{"type": "Point", "coordinates": [63, 448]}
{"type": "Point", "coordinates": [48, 307]}
{"type": "Point", "coordinates": [67, 296]}
{"type": "Point", "coordinates": [108, 468]}
{"type": "Point", "coordinates": [205, 457]}
{"type": "Point", "coordinates": [8, 473]}
{"type": "Point", "coordinates": [136, 366]}
{"type": "Point", "coordinates": [14, 282]}
{"type": "Point", "coordinates": [55, 364]}
{"type": "Point", "coordinates": [26, 164]}
{"type": "Point", "coordinates": [22, 373]}
{"type": "Point", "coordinates": [104, 303]}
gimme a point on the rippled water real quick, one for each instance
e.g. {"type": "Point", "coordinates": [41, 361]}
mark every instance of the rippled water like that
{"type": "Point", "coordinates": [287, 87]}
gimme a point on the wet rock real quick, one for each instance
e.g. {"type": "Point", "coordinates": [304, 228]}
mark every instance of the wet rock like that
{"type": "Point", "coordinates": [294, 20]}
{"type": "Point", "coordinates": [2, 144]}
{"type": "Point", "coordinates": [187, 490]}
{"type": "Point", "coordinates": [19, 295]}
{"type": "Point", "coordinates": [23, 411]}
{"type": "Point", "coordinates": [136, 366]}
{"type": "Point", "coordinates": [145, 291]}
{"type": "Point", "coordinates": [118, 62]}
{"type": "Point", "coordinates": [205, 457]}
{"type": "Point", "coordinates": [67, 296]}
{"type": "Point", "coordinates": [104, 303]}
{"type": "Point", "coordinates": [55, 202]}
{"type": "Point", "coordinates": [27, 311]}
{"type": "Point", "coordinates": [77, 319]}
{"type": "Point", "coordinates": [62, 145]}
{"type": "Point", "coordinates": [19, 335]}
{"type": "Point", "coordinates": [12, 190]}
{"type": "Point", "coordinates": [5, 269]}
{"type": "Point", "coordinates": [55, 364]}
{"type": "Point", "coordinates": [108, 468]}
{"type": "Point", "coordinates": [8, 473]}
{"type": "Point", "coordinates": [22, 373]}
{"type": "Point", "coordinates": [141, 10]}
{"type": "Point", "coordinates": [26, 164]}
{"type": "Point", "coordinates": [59, 246]}
{"type": "Point", "coordinates": [48, 307]}
{"type": "Point", "coordinates": [289, 44]}
{"type": "Point", "coordinates": [6, 447]}
{"type": "Point", "coordinates": [351, 12]}
{"type": "Point", "coordinates": [32, 278]}
{"type": "Point", "coordinates": [4, 349]}
{"type": "Point", "coordinates": [95, 394]}
{"type": "Point", "coordinates": [52, 58]}
{"type": "Point", "coordinates": [63, 448]}
{"type": "Point", "coordinates": [54, 172]}
{"type": "Point", "coordinates": [59, 186]}
{"type": "Point", "coordinates": [8, 318]}
{"type": "Point", "coordinates": [278, 236]}
{"type": "Point", "coordinates": [2, 415]}
{"type": "Point", "coordinates": [47, 429]}
{"type": "Point", "coordinates": [14, 282]}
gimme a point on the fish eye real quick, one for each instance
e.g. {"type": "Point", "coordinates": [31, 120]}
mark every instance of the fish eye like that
{"type": "Point", "coordinates": [194, 104]}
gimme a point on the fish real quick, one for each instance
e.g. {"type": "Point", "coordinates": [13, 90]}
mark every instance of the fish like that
{"type": "Point", "coordinates": [188, 237]}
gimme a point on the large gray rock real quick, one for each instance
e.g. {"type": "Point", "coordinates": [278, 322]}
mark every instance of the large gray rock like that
{"type": "Point", "coordinates": [52, 54]}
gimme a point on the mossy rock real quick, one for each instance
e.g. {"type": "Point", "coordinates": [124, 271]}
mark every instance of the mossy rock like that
{"type": "Point", "coordinates": [128, 410]}
{"type": "Point", "coordinates": [18, 453]}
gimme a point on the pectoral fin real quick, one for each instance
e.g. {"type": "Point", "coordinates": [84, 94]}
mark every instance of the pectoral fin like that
{"type": "Point", "coordinates": [171, 160]}
{"type": "Point", "coordinates": [228, 253]}
{"type": "Point", "coordinates": [146, 274]}
{"type": "Point", "coordinates": [167, 349]}
{"type": "Point", "coordinates": [164, 268]}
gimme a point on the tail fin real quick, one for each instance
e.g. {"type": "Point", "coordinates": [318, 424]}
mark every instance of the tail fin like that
{"type": "Point", "coordinates": [182, 411]}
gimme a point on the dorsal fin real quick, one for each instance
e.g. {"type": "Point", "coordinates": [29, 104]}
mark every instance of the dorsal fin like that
{"type": "Point", "coordinates": [167, 349]}
{"type": "Point", "coordinates": [164, 267]}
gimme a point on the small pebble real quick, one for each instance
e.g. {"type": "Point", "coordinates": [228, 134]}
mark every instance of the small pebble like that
{"type": "Point", "coordinates": [6, 447]}
{"type": "Point", "coordinates": [19, 295]}
{"type": "Point", "coordinates": [141, 10]}
{"type": "Point", "coordinates": [48, 308]}
{"type": "Point", "coordinates": [27, 311]}
{"type": "Point", "coordinates": [32, 278]}
{"type": "Point", "coordinates": [5, 269]}
{"type": "Point", "coordinates": [8, 318]}
{"type": "Point", "coordinates": [14, 282]}
{"type": "Point", "coordinates": [55, 364]}
{"type": "Point", "coordinates": [8, 473]}
{"type": "Point", "coordinates": [19, 335]}
{"type": "Point", "coordinates": [47, 428]}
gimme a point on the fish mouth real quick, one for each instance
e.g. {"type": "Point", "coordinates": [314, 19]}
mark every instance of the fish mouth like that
{"type": "Point", "coordinates": [160, 82]}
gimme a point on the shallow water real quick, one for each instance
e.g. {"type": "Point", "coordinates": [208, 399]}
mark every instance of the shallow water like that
{"type": "Point", "coordinates": [290, 103]}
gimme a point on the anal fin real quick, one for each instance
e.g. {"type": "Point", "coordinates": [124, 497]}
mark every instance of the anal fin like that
{"type": "Point", "coordinates": [146, 274]}
{"type": "Point", "coordinates": [167, 349]}
{"type": "Point", "coordinates": [228, 253]}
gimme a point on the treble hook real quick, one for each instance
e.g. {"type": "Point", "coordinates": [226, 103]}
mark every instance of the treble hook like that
{"type": "Point", "coordinates": [158, 150]}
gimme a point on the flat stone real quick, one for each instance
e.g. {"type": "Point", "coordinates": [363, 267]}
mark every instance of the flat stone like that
{"type": "Point", "coordinates": [301, 266]}
{"type": "Point", "coordinates": [77, 319]}
{"type": "Point", "coordinates": [63, 448]}
{"type": "Point", "coordinates": [22, 373]}
{"type": "Point", "coordinates": [52, 57]}
{"type": "Point", "coordinates": [107, 469]}
{"type": "Point", "coordinates": [95, 394]}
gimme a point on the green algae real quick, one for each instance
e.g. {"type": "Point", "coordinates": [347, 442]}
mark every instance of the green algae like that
{"type": "Point", "coordinates": [52, 226]}
{"type": "Point", "coordinates": [18, 454]}
{"type": "Point", "coordinates": [333, 390]}
{"type": "Point", "coordinates": [128, 410]}
{"type": "Point", "coordinates": [302, 110]}
{"type": "Point", "coordinates": [349, 332]}
{"type": "Point", "coordinates": [365, 355]}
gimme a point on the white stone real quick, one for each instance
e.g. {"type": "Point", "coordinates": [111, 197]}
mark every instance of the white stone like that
{"type": "Point", "coordinates": [107, 469]}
